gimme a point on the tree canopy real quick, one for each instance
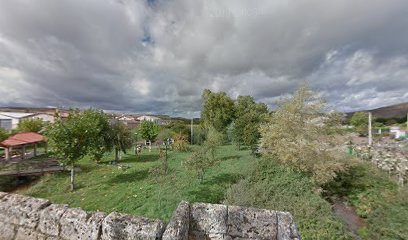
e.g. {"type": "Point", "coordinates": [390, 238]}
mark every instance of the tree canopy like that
{"type": "Point", "coordinates": [249, 116]}
{"type": "Point", "coordinates": [73, 138]}
{"type": "Point", "coordinates": [149, 130]}
{"type": "Point", "coordinates": [359, 120]}
{"type": "Point", "coordinates": [298, 134]}
{"type": "Point", "coordinates": [218, 110]}
{"type": "Point", "coordinates": [30, 125]}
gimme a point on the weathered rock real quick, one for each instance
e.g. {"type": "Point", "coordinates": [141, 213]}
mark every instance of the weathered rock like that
{"type": "Point", "coordinates": [50, 219]}
{"type": "Point", "coordinates": [178, 227]}
{"type": "Point", "coordinates": [122, 226]}
{"type": "Point", "coordinates": [30, 218]}
{"type": "Point", "coordinates": [21, 210]}
{"type": "Point", "coordinates": [252, 223]}
{"type": "Point", "coordinates": [286, 227]}
{"type": "Point", "coordinates": [206, 219]}
{"type": "Point", "coordinates": [28, 233]}
{"type": "Point", "coordinates": [78, 224]}
{"type": "Point", "coordinates": [2, 194]}
{"type": "Point", "coordinates": [7, 231]}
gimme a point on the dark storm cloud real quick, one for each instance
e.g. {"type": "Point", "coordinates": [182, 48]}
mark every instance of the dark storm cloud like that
{"type": "Point", "coordinates": [158, 56]}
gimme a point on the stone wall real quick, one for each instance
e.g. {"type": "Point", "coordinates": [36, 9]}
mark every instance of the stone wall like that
{"type": "Point", "coordinates": [23, 217]}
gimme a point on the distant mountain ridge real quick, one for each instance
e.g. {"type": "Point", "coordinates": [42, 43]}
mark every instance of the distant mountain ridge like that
{"type": "Point", "coordinates": [393, 111]}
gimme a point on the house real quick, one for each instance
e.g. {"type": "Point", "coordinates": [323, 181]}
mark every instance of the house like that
{"type": "Point", "coordinates": [45, 117]}
{"type": "Point", "coordinates": [10, 120]}
{"type": "Point", "coordinates": [154, 119]}
{"type": "Point", "coordinates": [397, 132]}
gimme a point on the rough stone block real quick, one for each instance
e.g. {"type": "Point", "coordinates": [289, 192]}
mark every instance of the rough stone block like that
{"type": "Point", "coordinates": [178, 227]}
{"type": "Point", "coordinates": [122, 226]}
{"type": "Point", "coordinates": [208, 219]}
{"type": "Point", "coordinates": [2, 194]}
{"type": "Point", "coordinates": [7, 231]}
{"type": "Point", "coordinates": [286, 227]}
{"type": "Point", "coordinates": [252, 223]}
{"type": "Point", "coordinates": [28, 233]}
{"type": "Point", "coordinates": [78, 224]}
{"type": "Point", "coordinates": [21, 210]}
{"type": "Point", "coordinates": [49, 219]}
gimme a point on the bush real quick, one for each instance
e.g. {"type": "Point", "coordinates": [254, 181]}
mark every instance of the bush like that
{"type": "Point", "coordinates": [274, 187]}
{"type": "Point", "coordinates": [376, 198]}
{"type": "Point", "coordinates": [389, 220]}
{"type": "Point", "coordinates": [180, 143]}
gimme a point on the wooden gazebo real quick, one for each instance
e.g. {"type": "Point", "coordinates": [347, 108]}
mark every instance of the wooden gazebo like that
{"type": "Point", "coordinates": [21, 141]}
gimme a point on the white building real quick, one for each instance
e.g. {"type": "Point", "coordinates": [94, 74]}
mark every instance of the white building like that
{"type": "Point", "coordinates": [151, 119]}
{"type": "Point", "coordinates": [398, 133]}
{"type": "Point", "coordinates": [45, 117]}
{"type": "Point", "coordinates": [10, 120]}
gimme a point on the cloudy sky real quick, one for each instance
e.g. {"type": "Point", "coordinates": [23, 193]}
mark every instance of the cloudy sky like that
{"type": "Point", "coordinates": [158, 55]}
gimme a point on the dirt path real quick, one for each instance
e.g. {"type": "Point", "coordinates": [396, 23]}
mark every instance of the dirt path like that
{"type": "Point", "coordinates": [349, 216]}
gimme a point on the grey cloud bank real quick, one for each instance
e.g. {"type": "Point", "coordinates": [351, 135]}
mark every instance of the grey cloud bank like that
{"type": "Point", "coordinates": [157, 56]}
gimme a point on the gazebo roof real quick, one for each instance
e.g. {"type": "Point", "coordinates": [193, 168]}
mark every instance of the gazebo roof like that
{"type": "Point", "coordinates": [23, 139]}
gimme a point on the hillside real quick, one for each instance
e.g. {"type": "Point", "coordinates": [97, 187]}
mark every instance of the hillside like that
{"type": "Point", "coordinates": [394, 111]}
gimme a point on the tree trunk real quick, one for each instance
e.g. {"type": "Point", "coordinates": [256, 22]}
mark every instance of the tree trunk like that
{"type": "Point", "coordinates": [116, 154]}
{"type": "Point", "coordinates": [72, 177]}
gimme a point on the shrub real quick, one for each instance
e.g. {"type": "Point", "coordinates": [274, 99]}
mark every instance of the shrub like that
{"type": "Point", "coordinates": [180, 143]}
{"type": "Point", "coordinates": [275, 187]}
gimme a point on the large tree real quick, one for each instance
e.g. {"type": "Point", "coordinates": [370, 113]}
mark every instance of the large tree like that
{"type": "Point", "coordinates": [102, 140]}
{"type": "Point", "coordinates": [299, 134]}
{"type": "Point", "coordinates": [71, 139]}
{"type": "Point", "coordinates": [249, 116]}
{"type": "Point", "coordinates": [120, 138]}
{"type": "Point", "coordinates": [218, 110]}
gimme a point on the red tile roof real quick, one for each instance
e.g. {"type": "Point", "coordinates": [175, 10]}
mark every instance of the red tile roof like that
{"type": "Point", "coordinates": [22, 139]}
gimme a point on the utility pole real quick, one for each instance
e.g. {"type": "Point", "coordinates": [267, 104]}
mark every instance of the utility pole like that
{"type": "Point", "coordinates": [192, 119]}
{"type": "Point", "coordinates": [370, 135]}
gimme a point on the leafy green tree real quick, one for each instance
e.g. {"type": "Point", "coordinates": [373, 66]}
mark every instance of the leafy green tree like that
{"type": "Point", "coordinates": [359, 120]}
{"type": "Point", "coordinates": [299, 135]}
{"type": "Point", "coordinates": [149, 130]}
{"type": "Point", "coordinates": [73, 138]}
{"type": "Point", "coordinates": [30, 125]}
{"type": "Point", "coordinates": [218, 110]}
{"type": "Point", "coordinates": [102, 139]}
{"type": "Point", "coordinates": [249, 116]}
{"type": "Point", "coordinates": [3, 134]}
{"type": "Point", "coordinates": [204, 157]}
{"type": "Point", "coordinates": [120, 138]}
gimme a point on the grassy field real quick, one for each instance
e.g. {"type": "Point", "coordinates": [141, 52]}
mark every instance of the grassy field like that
{"type": "Point", "coordinates": [108, 188]}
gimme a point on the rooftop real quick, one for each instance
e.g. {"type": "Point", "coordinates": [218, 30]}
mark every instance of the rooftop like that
{"type": "Point", "coordinates": [22, 139]}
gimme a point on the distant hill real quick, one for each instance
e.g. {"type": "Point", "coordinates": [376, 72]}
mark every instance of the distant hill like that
{"type": "Point", "coordinates": [397, 111]}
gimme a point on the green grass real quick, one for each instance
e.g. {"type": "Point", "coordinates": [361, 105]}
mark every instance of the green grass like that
{"type": "Point", "coordinates": [272, 186]}
{"type": "Point", "coordinates": [376, 198]}
{"type": "Point", "coordinates": [107, 188]}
